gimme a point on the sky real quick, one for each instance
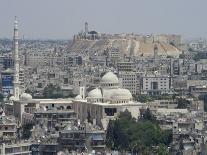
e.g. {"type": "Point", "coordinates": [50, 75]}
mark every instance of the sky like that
{"type": "Point", "coordinates": [61, 19]}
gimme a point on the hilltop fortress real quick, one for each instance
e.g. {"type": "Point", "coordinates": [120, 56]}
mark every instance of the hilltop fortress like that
{"type": "Point", "coordinates": [127, 44]}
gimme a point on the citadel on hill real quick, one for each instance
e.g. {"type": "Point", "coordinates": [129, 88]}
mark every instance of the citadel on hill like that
{"type": "Point", "coordinates": [103, 94]}
{"type": "Point", "coordinates": [128, 44]}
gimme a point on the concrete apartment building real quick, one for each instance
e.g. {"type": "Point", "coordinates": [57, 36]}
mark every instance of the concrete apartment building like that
{"type": "Point", "coordinates": [156, 84]}
{"type": "Point", "coordinates": [130, 81]}
{"type": "Point", "coordinates": [20, 148]}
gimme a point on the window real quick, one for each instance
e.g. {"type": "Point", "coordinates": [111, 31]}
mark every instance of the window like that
{"type": "Point", "coordinates": [110, 111]}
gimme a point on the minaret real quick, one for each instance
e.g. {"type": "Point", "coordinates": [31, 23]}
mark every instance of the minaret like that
{"type": "Point", "coordinates": [155, 54]}
{"type": "Point", "coordinates": [86, 27]}
{"type": "Point", "coordinates": [16, 60]}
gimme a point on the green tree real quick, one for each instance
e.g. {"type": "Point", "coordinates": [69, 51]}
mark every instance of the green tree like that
{"type": "Point", "coordinates": [52, 91]}
{"type": "Point", "coordinates": [1, 97]}
{"type": "Point", "coordinates": [110, 135]}
{"type": "Point", "coordinates": [148, 116]}
{"type": "Point", "coordinates": [182, 103]}
{"type": "Point", "coordinates": [127, 134]}
{"type": "Point", "coordinates": [26, 131]}
{"type": "Point", "coordinates": [162, 150]}
{"type": "Point", "coordinates": [144, 98]}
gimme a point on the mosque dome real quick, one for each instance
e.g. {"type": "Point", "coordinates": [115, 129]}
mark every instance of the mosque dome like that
{"type": "Point", "coordinates": [95, 93]}
{"type": "Point", "coordinates": [110, 78]}
{"type": "Point", "coordinates": [12, 98]}
{"type": "Point", "coordinates": [122, 94]}
{"type": "Point", "coordinates": [61, 153]}
{"type": "Point", "coordinates": [25, 97]}
{"type": "Point", "coordinates": [78, 97]}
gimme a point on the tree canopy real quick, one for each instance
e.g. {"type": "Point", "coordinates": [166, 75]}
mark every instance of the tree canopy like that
{"type": "Point", "coordinates": [54, 91]}
{"type": "Point", "coordinates": [149, 98]}
{"type": "Point", "coordinates": [1, 97]}
{"type": "Point", "coordinates": [26, 131]}
{"type": "Point", "coordinates": [182, 103]}
{"type": "Point", "coordinates": [126, 134]}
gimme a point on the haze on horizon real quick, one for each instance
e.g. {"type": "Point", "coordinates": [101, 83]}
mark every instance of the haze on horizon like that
{"type": "Point", "coordinates": [61, 19]}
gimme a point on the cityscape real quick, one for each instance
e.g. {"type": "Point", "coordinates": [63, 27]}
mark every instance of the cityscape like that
{"type": "Point", "coordinates": [102, 93]}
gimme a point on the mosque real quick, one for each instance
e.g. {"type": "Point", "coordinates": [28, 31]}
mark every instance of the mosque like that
{"type": "Point", "coordinates": [105, 102]}
{"type": "Point", "coordinates": [98, 107]}
{"type": "Point", "coordinates": [101, 104]}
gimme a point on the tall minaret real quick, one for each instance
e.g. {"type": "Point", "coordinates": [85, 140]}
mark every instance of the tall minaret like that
{"type": "Point", "coordinates": [86, 27]}
{"type": "Point", "coordinates": [16, 60]}
{"type": "Point", "coordinates": [155, 54]}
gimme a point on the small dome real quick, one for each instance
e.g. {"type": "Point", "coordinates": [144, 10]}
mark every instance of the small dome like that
{"type": "Point", "coordinates": [61, 153]}
{"type": "Point", "coordinates": [12, 98]}
{"type": "Point", "coordinates": [110, 77]}
{"type": "Point", "coordinates": [25, 97]}
{"type": "Point", "coordinates": [78, 97]}
{"type": "Point", "coordinates": [95, 93]}
{"type": "Point", "coordinates": [9, 71]}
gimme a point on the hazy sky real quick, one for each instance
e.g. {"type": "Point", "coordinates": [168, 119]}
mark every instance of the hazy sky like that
{"type": "Point", "coordinates": [60, 19]}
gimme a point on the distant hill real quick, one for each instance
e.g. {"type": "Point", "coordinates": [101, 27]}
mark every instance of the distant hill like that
{"type": "Point", "coordinates": [128, 47]}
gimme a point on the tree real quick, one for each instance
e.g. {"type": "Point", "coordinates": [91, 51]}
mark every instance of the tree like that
{"type": "Point", "coordinates": [182, 103]}
{"type": "Point", "coordinates": [1, 97]}
{"type": "Point", "coordinates": [190, 49]}
{"type": "Point", "coordinates": [148, 116]}
{"type": "Point", "coordinates": [174, 96]}
{"type": "Point", "coordinates": [110, 135]}
{"type": "Point", "coordinates": [26, 133]}
{"type": "Point", "coordinates": [162, 150]}
{"type": "Point", "coordinates": [52, 91]}
{"type": "Point", "coordinates": [127, 134]}
{"type": "Point", "coordinates": [144, 98]}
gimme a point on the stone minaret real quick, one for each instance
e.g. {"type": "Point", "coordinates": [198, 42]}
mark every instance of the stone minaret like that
{"type": "Point", "coordinates": [86, 27]}
{"type": "Point", "coordinates": [155, 54]}
{"type": "Point", "coordinates": [16, 61]}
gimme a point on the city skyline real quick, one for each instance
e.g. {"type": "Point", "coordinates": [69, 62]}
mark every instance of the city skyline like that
{"type": "Point", "coordinates": [55, 20]}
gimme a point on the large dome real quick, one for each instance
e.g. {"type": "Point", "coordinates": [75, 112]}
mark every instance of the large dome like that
{"type": "Point", "coordinates": [25, 97]}
{"type": "Point", "coordinates": [109, 79]}
{"type": "Point", "coordinates": [117, 94]}
{"type": "Point", "coordinates": [95, 93]}
{"type": "Point", "coordinates": [122, 94]}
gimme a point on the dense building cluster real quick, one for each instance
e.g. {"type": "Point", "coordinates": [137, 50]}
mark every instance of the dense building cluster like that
{"type": "Point", "coordinates": [58, 97]}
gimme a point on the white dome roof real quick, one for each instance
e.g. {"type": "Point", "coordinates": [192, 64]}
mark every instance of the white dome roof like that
{"type": "Point", "coordinates": [107, 93]}
{"type": "Point", "coordinates": [12, 98]}
{"type": "Point", "coordinates": [95, 93]}
{"type": "Point", "coordinates": [118, 93]}
{"type": "Point", "coordinates": [61, 153]}
{"type": "Point", "coordinates": [109, 78]}
{"type": "Point", "coordinates": [25, 97]}
{"type": "Point", "coordinates": [122, 94]}
{"type": "Point", "coordinates": [78, 97]}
